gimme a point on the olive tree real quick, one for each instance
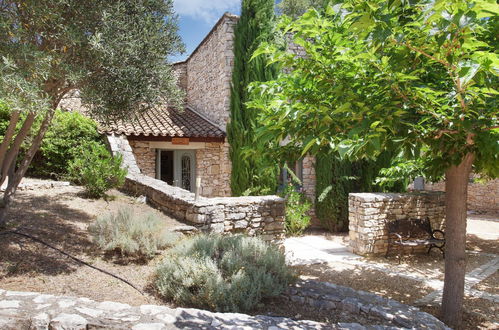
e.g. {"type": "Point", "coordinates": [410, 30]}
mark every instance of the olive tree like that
{"type": "Point", "coordinates": [418, 77]}
{"type": "Point", "coordinates": [113, 52]}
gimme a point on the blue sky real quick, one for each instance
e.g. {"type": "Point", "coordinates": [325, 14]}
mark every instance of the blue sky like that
{"type": "Point", "coordinates": [197, 17]}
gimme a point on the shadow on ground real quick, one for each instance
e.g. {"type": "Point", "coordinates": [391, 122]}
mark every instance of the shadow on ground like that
{"type": "Point", "coordinates": [44, 217]}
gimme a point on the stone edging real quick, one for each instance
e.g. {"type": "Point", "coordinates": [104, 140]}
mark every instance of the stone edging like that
{"type": "Point", "coordinates": [30, 310]}
{"type": "Point", "coordinates": [40, 185]}
{"type": "Point", "coordinates": [329, 296]}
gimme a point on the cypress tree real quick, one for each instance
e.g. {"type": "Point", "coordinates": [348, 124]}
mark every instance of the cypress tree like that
{"type": "Point", "coordinates": [257, 175]}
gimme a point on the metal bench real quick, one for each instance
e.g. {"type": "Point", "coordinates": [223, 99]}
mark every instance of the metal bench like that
{"type": "Point", "coordinates": [414, 232]}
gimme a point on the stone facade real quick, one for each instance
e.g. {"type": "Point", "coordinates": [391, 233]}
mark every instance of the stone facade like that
{"type": "Point", "coordinates": [214, 170]}
{"type": "Point", "coordinates": [180, 69]}
{"type": "Point", "coordinates": [211, 165]}
{"type": "Point", "coordinates": [256, 216]}
{"type": "Point", "coordinates": [482, 196]}
{"type": "Point", "coordinates": [145, 157]}
{"type": "Point", "coordinates": [209, 72]}
{"type": "Point", "coordinates": [369, 212]}
{"type": "Point", "coordinates": [205, 77]}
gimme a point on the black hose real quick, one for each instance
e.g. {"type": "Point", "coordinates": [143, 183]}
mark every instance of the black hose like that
{"type": "Point", "coordinates": [14, 232]}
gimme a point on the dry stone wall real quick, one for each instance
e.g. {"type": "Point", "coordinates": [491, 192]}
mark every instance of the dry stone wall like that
{"type": "Point", "coordinates": [482, 196]}
{"type": "Point", "coordinates": [374, 309]}
{"type": "Point", "coordinates": [369, 212]}
{"type": "Point", "coordinates": [30, 310]}
{"type": "Point", "coordinates": [256, 216]}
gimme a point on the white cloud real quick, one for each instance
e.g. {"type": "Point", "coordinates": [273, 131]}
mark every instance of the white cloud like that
{"type": "Point", "coordinates": [207, 10]}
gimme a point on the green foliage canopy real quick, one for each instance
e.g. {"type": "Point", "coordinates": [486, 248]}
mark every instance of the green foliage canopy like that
{"type": "Point", "coordinates": [417, 77]}
{"type": "Point", "coordinates": [114, 52]}
{"type": "Point", "coordinates": [296, 8]}
{"type": "Point", "coordinates": [251, 172]}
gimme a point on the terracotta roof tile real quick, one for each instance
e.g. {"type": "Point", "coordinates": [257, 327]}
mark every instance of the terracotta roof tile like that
{"type": "Point", "coordinates": [166, 122]}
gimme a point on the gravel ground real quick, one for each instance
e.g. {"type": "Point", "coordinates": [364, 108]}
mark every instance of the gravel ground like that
{"type": "Point", "coordinates": [61, 216]}
{"type": "Point", "coordinates": [361, 278]}
{"type": "Point", "coordinates": [490, 284]}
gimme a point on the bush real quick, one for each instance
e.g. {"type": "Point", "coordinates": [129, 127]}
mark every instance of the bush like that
{"type": "Point", "coordinates": [336, 178]}
{"type": "Point", "coordinates": [68, 133]}
{"type": "Point", "coordinates": [297, 207]}
{"type": "Point", "coordinates": [97, 170]}
{"type": "Point", "coordinates": [222, 273]}
{"type": "Point", "coordinates": [131, 236]}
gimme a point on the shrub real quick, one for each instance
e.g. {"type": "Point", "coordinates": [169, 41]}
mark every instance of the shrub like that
{"type": "Point", "coordinates": [97, 170]}
{"type": "Point", "coordinates": [297, 207]}
{"type": "Point", "coordinates": [336, 178]}
{"type": "Point", "coordinates": [222, 273]}
{"type": "Point", "coordinates": [130, 236]}
{"type": "Point", "coordinates": [68, 133]}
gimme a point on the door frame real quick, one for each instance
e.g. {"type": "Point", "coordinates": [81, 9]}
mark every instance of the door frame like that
{"type": "Point", "coordinates": [177, 166]}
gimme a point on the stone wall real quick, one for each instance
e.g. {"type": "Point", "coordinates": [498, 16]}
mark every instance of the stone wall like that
{"type": "Point", "coordinates": [374, 309]}
{"type": "Point", "coordinates": [214, 170]}
{"type": "Point", "coordinates": [256, 216]}
{"type": "Point", "coordinates": [212, 165]}
{"type": "Point", "coordinates": [145, 157]}
{"type": "Point", "coordinates": [369, 212]}
{"type": "Point", "coordinates": [180, 69]}
{"type": "Point", "coordinates": [209, 72]}
{"type": "Point", "coordinates": [482, 197]}
{"type": "Point", "coordinates": [31, 310]}
{"type": "Point", "coordinates": [308, 184]}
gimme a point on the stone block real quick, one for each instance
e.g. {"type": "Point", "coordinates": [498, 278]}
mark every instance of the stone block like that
{"type": "Point", "coordinates": [240, 224]}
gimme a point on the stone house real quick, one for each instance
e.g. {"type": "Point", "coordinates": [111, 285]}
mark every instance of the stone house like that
{"type": "Point", "coordinates": [180, 146]}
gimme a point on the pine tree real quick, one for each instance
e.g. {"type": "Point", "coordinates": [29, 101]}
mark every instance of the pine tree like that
{"type": "Point", "coordinates": [256, 175]}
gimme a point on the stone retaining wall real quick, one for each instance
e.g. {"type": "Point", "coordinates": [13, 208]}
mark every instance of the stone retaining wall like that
{"type": "Point", "coordinates": [259, 215]}
{"type": "Point", "coordinates": [262, 215]}
{"type": "Point", "coordinates": [374, 308]}
{"type": "Point", "coordinates": [30, 310]}
{"type": "Point", "coordinates": [369, 212]}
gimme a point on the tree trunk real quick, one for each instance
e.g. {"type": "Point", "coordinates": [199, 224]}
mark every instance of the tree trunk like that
{"type": "Point", "coordinates": [456, 193]}
{"type": "Point", "coordinates": [15, 178]}
{"type": "Point", "coordinates": [16, 146]}
{"type": "Point", "coordinates": [9, 133]}
{"type": "Point", "coordinates": [5, 202]}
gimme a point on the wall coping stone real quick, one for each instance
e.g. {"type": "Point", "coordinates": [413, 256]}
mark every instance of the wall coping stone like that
{"type": "Point", "coordinates": [379, 197]}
